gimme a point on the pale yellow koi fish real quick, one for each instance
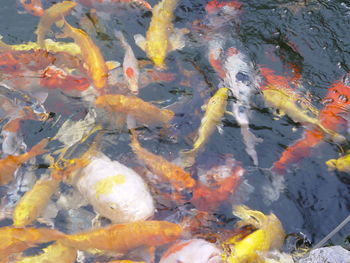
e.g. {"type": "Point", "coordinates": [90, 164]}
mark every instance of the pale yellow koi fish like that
{"type": "Point", "coordinates": [161, 38]}
{"type": "Point", "coordinates": [215, 109]}
{"type": "Point", "coordinates": [50, 16]}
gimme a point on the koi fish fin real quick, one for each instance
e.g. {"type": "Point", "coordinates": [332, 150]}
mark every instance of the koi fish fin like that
{"type": "Point", "coordinates": [140, 40]}
{"type": "Point", "coordinates": [176, 39]}
{"type": "Point", "coordinates": [188, 157]}
{"type": "Point", "coordinates": [39, 148]}
{"type": "Point", "coordinates": [134, 141]}
{"type": "Point", "coordinates": [112, 64]}
{"type": "Point", "coordinates": [332, 164]}
{"type": "Point", "coordinates": [131, 123]}
{"type": "Point", "coordinates": [249, 141]}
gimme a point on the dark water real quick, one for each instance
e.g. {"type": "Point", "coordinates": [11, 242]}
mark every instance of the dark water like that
{"type": "Point", "coordinates": [311, 35]}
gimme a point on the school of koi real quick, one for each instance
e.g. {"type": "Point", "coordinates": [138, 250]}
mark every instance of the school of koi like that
{"type": "Point", "coordinates": [128, 192]}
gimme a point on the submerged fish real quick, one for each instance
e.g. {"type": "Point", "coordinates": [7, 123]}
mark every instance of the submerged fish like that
{"type": "Point", "coordinates": [332, 117]}
{"type": "Point", "coordinates": [143, 112]}
{"type": "Point", "coordinates": [49, 17]}
{"type": "Point", "coordinates": [166, 170]}
{"type": "Point", "coordinates": [214, 111]}
{"type": "Point", "coordinates": [161, 38]}
{"type": "Point", "coordinates": [268, 236]}
{"type": "Point", "coordinates": [33, 7]}
{"type": "Point", "coordinates": [130, 64]}
{"type": "Point", "coordinates": [91, 54]}
{"type": "Point", "coordinates": [111, 5]}
{"type": "Point", "coordinates": [34, 201]}
{"type": "Point", "coordinates": [11, 163]}
{"type": "Point", "coordinates": [242, 80]}
{"type": "Point", "coordinates": [124, 237]}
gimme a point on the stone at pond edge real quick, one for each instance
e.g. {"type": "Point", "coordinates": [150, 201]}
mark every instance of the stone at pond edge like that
{"type": "Point", "coordinates": [335, 254]}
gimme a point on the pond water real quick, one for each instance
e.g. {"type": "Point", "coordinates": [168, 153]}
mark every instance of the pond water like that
{"type": "Point", "coordinates": [312, 35]}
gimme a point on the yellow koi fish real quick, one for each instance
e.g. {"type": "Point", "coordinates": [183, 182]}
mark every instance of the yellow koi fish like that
{"type": "Point", "coordinates": [268, 236]}
{"type": "Point", "coordinates": [160, 36]}
{"type": "Point", "coordinates": [341, 164]}
{"type": "Point", "coordinates": [168, 171]}
{"type": "Point", "coordinates": [55, 253]}
{"type": "Point", "coordinates": [283, 101]}
{"type": "Point", "coordinates": [34, 201]}
{"type": "Point", "coordinates": [50, 16]}
{"type": "Point", "coordinates": [91, 54]}
{"type": "Point", "coordinates": [215, 109]}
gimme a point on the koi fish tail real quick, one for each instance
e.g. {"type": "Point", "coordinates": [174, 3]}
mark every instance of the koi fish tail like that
{"type": "Point", "coordinates": [39, 148]}
{"type": "Point", "coordinates": [188, 157]}
{"type": "Point", "coordinates": [299, 150]}
{"type": "Point", "coordinates": [334, 136]}
{"type": "Point", "coordinates": [250, 140]}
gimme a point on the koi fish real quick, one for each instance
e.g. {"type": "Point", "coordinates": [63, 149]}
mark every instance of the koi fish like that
{"type": "Point", "coordinates": [91, 54]}
{"type": "Point", "coordinates": [192, 251]}
{"type": "Point", "coordinates": [55, 253]}
{"type": "Point", "coordinates": [130, 64]}
{"type": "Point", "coordinates": [331, 117]}
{"type": "Point", "coordinates": [143, 112]}
{"type": "Point", "coordinates": [108, 5]}
{"type": "Point", "coordinates": [341, 164]}
{"type": "Point", "coordinates": [34, 201]}
{"type": "Point", "coordinates": [54, 77]}
{"type": "Point", "coordinates": [214, 111]}
{"type": "Point", "coordinates": [49, 17]}
{"type": "Point", "coordinates": [242, 80]}
{"type": "Point", "coordinates": [268, 236]}
{"type": "Point", "coordinates": [285, 99]}
{"type": "Point", "coordinates": [124, 237]}
{"type": "Point", "coordinates": [161, 167]}
{"type": "Point", "coordinates": [161, 38]}
{"type": "Point", "coordinates": [33, 7]}
{"type": "Point", "coordinates": [15, 240]}
{"type": "Point", "coordinates": [221, 182]}
{"type": "Point", "coordinates": [125, 261]}
{"type": "Point", "coordinates": [11, 163]}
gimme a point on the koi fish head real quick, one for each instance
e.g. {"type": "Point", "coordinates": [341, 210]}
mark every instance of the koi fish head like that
{"type": "Point", "coordinates": [214, 6]}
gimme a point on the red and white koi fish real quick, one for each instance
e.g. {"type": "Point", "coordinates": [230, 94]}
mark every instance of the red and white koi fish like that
{"type": "Point", "coordinates": [332, 117]}
{"type": "Point", "coordinates": [33, 7]}
{"type": "Point", "coordinates": [241, 78]}
{"type": "Point", "coordinates": [130, 64]}
{"type": "Point", "coordinates": [192, 251]}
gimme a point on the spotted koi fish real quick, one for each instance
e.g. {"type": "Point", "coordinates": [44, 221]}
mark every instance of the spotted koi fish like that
{"type": "Point", "coordinates": [332, 116]}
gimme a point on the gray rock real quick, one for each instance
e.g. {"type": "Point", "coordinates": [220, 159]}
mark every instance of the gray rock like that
{"type": "Point", "coordinates": [335, 254]}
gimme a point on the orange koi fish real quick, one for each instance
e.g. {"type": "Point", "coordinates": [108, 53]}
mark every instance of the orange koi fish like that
{"type": "Point", "coordinates": [11, 163]}
{"type": "Point", "coordinates": [143, 112]}
{"type": "Point", "coordinates": [130, 64]}
{"type": "Point", "coordinates": [33, 7]}
{"type": "Point", "coordinates": [161, 167]}
{"type": "Point", "coordinates": [91, 54]}
{"type": "Point", "coordinates": [208, 196]}
{"type": "Point", "coordinates": [49, 17]}
{"type": "Point", "coordinates": [124, 237]}
{"type": "Point", "coordinates": [55, 253]}
{"type": "Point", "coordinates": [15, 240]}
{"type": "Point", "coordinates": [54, 77]}
{"type": "Point", "coordinates": [332, 117]}
{"type": "Point", "coordinates": [34, 201]}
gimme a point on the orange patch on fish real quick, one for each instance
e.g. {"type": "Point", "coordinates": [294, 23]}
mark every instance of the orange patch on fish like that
{"type": "Point", "coordinates": [130, 72]}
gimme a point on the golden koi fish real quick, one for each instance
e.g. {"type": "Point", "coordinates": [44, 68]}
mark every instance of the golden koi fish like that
{"type": "Point", "coordinates": [215, 109]}
{"type": "Point", "coordinates": [91, 54]}
{"type": "Point", "coordinates": [124, 237]}
{"type": "Point", "coordinates": [269, 235]}
{"type": "Point", "coordinates": [160, 36]}
{"type": "Point", "coordinates": [279, 99]}
{"type": "Point", "coordinates": [341, 164]}
{"type": "Point", "coordinates": [50, 16]}
{"type": "Point", "coordinates": [55, 253]}
{"type": "Point", "coordinates": [161, 167]}
{"type": "Point", "coordinates": [143, 112]}
{"type": "Point", "coordinates": [34, 201]}
{"type": "Point", "coordinates": [11, 163]}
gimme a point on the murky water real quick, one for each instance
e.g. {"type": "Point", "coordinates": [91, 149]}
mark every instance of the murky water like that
{"type": "Point", "coordinates": [313, 35]}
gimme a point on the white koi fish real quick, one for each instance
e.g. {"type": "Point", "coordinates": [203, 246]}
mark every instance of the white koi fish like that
{"type": "Point", "coordinates": [242, 79]}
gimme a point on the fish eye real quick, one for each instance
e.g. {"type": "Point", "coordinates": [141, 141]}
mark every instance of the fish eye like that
{"type": "Point", "coordinates": [342, 98]}
{"type": "Point", "coordinates": [242, 77]}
